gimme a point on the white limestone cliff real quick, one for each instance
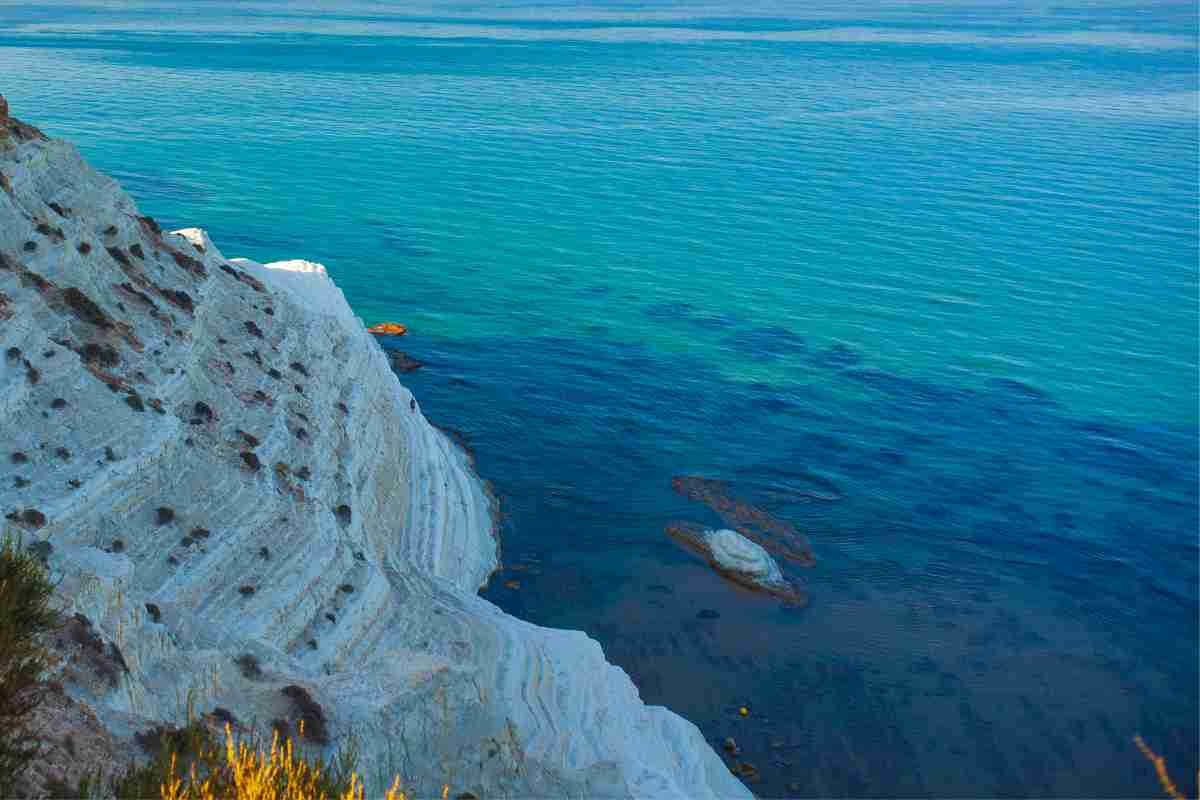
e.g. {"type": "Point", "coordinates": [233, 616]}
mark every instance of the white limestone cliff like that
{"type": "Point", "coordinates": [223, 464]}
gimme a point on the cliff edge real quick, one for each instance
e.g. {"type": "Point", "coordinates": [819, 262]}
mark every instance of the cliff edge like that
{"type": "Point", "coordinates": [233, 488]}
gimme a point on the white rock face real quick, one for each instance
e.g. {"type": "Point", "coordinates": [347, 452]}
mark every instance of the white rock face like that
{"type": "Point", "coordinates": [736, 553]}
{"type": "Point", "coordinates": [224, 464]}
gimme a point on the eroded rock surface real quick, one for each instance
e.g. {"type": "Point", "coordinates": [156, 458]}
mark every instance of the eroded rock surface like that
{"type": "Point", "coordinates": [240, 497]}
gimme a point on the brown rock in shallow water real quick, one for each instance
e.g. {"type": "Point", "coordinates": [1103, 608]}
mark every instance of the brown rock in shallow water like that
{"type": "Point", "coordinates": [3, 109]}
{"type": "Point", "coordinates": [777, 536]}
{"type": "Point", "coordinates": [403, 362]}
{"type": "Point", "coordinates": [746, 771]}
{"type": "Point", "coordinates": [388, 329]}
{"type": "Point", "coordinates": [737, 559]}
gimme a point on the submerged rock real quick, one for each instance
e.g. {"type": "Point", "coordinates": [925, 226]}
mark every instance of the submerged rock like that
{"type": "Point", "coordinates": [746, 770]}
{"type": "Point", "coordinates": [403, 362]}
{"type": "Point", "coordinates": [777, 536]}
{"type": "Point", "coordinates": [736, 558]}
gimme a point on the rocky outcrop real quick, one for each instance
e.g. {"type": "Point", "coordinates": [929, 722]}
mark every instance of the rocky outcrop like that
{"type": "Point", "coordinates": [738, 559]}
{"type": "Point", "coordinates": [775, 535]}
{"type": "Point", "coordinates": [232, 487]}
{"type": "Point", "coordinates": [735, 553]}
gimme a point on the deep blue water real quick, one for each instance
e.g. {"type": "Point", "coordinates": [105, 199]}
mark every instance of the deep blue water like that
{"type": "Point", "coordinates": [937, 263]}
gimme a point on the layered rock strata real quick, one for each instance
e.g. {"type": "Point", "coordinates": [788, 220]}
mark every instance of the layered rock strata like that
{"type": "Point", "coordinates": [238, 497]}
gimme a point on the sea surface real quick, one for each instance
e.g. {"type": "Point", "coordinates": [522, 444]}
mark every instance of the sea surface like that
{"type": "Point", "coordinates": [920, 279]}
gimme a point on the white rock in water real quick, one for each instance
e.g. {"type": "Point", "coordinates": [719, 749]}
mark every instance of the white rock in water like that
{"type": "Point", "coordinates": [736, 553]}
{"type": "Point", "coordinates": [277, 493]}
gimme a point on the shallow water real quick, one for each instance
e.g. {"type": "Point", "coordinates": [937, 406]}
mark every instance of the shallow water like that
{"type": "Point", "coordinates": [939, 265]}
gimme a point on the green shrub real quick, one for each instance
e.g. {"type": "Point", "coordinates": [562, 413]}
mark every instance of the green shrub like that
{"type": "Point", "coordinates": [167, 746]}
{"type": "Point", "coordinates": [25, 614]}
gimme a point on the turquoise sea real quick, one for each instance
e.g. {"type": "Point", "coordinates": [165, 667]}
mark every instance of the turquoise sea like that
{"type": "Point", "coordinates": [934, 263]}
